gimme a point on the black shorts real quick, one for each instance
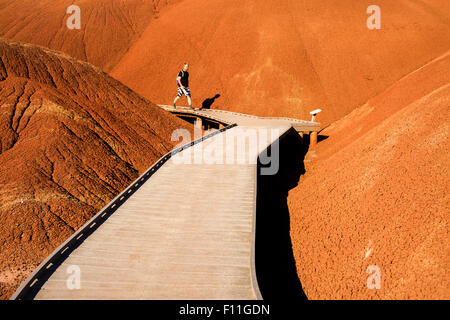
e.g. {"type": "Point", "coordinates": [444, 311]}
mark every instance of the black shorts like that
{"type": "Point", "coordinates": [184, 91]}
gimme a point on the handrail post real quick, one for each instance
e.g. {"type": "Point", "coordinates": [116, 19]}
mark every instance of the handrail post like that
{"type": "Point", "coordinates": [313, 134]}
{"type": "Point", "coordinates": [198, 123]}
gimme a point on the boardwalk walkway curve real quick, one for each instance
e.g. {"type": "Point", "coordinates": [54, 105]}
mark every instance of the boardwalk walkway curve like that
{"type": "Point", "coordinates": [157, 241]}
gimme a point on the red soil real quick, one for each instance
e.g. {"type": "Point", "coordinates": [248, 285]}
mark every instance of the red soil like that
{"type": "Point", "coordinates": [286, 57]}
{"type": "Point", "coordinates": [109, 27]}
{"type": "Point", "coordinates": [376, 193]}
{"type": "Point", "coordinates": [71, 138]}
{"type": "Point", "coordinates": [267, 57]}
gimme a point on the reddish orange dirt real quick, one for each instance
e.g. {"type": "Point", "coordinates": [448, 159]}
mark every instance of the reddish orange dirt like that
{"type": "Point", "coordinates": [71, 138]}
{"type": "Point", "coordinates": [272, 57]}
{"type": "Point", "coordinates": [376, 193]}
{"type": "Point", "coordinates": [284, 58]}
{"type": "Point", "coordinates": [108, 27]}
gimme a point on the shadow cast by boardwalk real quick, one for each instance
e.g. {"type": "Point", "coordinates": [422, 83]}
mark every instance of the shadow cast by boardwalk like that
{"type": "Point", "coordinates": [275, 265]}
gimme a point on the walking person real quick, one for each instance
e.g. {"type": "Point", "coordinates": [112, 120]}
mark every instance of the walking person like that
{"type": "Point", "coordinates": [183, 86]}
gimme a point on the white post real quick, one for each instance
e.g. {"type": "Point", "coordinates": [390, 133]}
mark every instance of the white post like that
{"type": "Point", "coordinates": [313, 134]}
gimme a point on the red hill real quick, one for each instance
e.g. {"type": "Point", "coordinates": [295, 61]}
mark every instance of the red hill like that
{"type": "Point", "coordinates": [108, 27]}
{"type": "Point", "coordinates": [285, 58]}
{"type": "Point", "coordinates": [263, 57]}
{"type": "Point", "coordinates": [376, 193]}
{"type": "Point", "coordinates": [71, 138]}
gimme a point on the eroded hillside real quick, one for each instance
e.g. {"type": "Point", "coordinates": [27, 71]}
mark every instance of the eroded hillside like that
{"type": "Point", "coordinates": [375, 193]}
{"type": "Point", "coordinates": [285, 58]}
{"type": "Point", "coordinates": [71, 138]}
{"type": "Point", "coordinates": [108, 27]}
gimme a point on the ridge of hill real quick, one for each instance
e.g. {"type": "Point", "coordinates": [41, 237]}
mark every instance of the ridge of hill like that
{"type": "Point", "coordinates": [71, 138]}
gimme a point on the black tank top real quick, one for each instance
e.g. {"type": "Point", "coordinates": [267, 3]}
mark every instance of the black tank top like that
{"type": "Point", "coordinates": [184, 78]}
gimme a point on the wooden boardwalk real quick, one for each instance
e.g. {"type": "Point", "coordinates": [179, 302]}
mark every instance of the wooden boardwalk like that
{"type": "Point", "coordinates": [185, 233]}
{"type": "Point", "coordinates": [230, 117]}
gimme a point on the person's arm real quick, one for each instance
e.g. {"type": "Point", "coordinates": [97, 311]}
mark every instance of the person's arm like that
{"type": "Point", "coordinates": [179, 81]}
{"type": "Point", "coordinates": [180, 74]}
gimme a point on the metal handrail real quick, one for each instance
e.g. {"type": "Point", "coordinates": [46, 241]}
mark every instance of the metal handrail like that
{"type": "Point", "coordinates": [30, 287]}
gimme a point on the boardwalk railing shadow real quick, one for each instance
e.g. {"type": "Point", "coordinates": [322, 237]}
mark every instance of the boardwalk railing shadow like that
{"type": "Point", "coordinates": [274, 260]}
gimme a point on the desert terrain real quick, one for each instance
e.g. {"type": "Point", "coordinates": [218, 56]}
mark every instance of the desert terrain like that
{"type": "Point", "coordinates": [266, 58]}
{"type": "Point", "coordinates": [375, 192]}
{"type": "Point", "coordinates": [78, 123]}
{"type": "Point", "coordinates": [71, 139]}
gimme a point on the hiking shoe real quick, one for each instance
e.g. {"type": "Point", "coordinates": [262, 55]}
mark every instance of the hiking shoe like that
{"type": "Point", "coordinates": [174, 106]}
{"type": "Point", "coordinates": [190, 107]}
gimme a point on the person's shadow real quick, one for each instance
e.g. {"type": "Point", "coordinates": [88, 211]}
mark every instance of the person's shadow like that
{"type": "Point", "coordinates": [207, 103]}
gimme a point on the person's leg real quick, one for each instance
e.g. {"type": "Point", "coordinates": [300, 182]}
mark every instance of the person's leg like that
{"type": "Point", "coordinates": [187, 93]}
{"type": "Point", "coordinates": [176, 99]}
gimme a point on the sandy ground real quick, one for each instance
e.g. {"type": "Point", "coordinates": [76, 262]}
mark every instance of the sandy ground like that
{"type": "Point", "coordinates": [109, 27]}
{"type": "Point", "coordinates": [267, 57]}
{"type": "Point", "coordinates": [376, 193]}
{"type": "Point", "coordinates": [285, 57]}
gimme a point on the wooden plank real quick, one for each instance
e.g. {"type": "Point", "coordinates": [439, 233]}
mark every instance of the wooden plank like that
{"type": "Point", "coordinates": [187, 233]}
